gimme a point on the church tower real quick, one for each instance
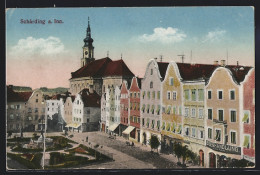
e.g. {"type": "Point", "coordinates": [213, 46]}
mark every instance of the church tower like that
{"type": "Point", "coordinates": [88, 49]}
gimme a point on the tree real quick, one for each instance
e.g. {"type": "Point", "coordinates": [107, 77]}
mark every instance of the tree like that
{"type": "Point", "coordinates": [154, 142]}
{"type": "Point", "coordinates": [184, 153]}
{"type": "Point", "coordinates": [177, 149]}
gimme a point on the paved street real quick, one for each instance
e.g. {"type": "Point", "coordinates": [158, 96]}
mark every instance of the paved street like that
{"type": "Point", "coordinates": [125, 157]}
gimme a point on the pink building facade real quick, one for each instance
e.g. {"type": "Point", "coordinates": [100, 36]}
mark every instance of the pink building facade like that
{"type": "Point", "coordinates": [249, 116]}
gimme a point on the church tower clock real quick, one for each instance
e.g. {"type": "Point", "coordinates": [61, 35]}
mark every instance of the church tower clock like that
{"type": "Point", "coordinates": [88, 48]}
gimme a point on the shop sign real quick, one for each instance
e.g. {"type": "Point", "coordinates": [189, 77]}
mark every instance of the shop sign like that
{"type": "Point", "coordinates": [224, 148]}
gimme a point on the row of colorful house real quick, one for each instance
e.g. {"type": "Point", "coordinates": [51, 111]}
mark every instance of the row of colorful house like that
{"type": "Point", "coordinates": [208, 107]}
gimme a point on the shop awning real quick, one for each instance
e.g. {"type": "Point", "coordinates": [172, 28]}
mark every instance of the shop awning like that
{"type": "Point", "coordinates": [73, 125]}
{"type": "Point", "coordinates": [113, 127]}
{"type": "Point", "coordinates": [128, 130]}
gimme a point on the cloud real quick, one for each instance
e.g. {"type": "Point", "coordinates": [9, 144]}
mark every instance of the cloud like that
{"type": "Point", "coordinates": [38, 47]}
{"type": "Point", "coordinates": [215, 35]}
{"type": "Point", "coordinates": [164, 35]}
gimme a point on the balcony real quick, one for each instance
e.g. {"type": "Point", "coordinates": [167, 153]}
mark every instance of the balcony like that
{"type": "Point", "coordinates": [220, 122]}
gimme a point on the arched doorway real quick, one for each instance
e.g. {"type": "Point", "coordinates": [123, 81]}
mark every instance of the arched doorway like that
{"type": "Point", "coordinates": [201, 153]}
{"type": "Point", "coordinates": [212, 160]}
{"type": "Point", "coordinates": [144, 134]}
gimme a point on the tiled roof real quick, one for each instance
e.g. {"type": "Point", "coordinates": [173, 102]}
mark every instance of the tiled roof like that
{"type": "Point", "coordinates": [17, 96]}
{"type": "Point", "coordinates": [195, 71]}
{"type": "Point", "coordinates": [239, 72]}
{"type": "Point", "coordinates": [93, 69]}
{"type": "Point", "coordinates": [162, 68]}
{"type": "Point", "coordinates": [90, 99]}
{"type": "Point", "coordinates": [118, 68]}
{"type": "Point", "coordinates": [199, 71]}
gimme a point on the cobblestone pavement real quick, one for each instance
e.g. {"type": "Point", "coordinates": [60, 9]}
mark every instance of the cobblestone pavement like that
{"type": "Point", "coordinates": [129, 157]}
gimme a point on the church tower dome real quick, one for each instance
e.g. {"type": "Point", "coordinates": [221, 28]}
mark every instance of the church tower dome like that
{"type": "Point", "coordinates": [88, 48]}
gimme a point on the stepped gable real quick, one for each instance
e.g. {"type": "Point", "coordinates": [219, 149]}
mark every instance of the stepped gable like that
{"type": "Point", "coordinates": [90, 99]}
{"type": "Point", "coordinates": [93, 69]}
{"type": "Point", "coordinates": [195, 71]}
{"type": "Point", "coordinates": [118, 68]}
{"type": "Point", "coordinates": [162, 68]}
{"type": "Point", "coordinates": [239, 72]}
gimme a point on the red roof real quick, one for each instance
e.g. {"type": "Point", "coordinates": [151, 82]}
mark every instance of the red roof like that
{"type": "Point", "coordinates": [90, 99]}
{"type": "Point", "coordinates": [103, 67]}
{"type": "Point", "coordinates": [17, 96]}
{"type": "Point", "coordinates": [162, 68]}
{"type": "Point", "coordinates": [195, 71]}
{"type": "Point", "coordinates": [93, 69]}
{"type": "Point", "coordinates": [199, 71]}
{"type": "Point", "coordinates": [118, 68]}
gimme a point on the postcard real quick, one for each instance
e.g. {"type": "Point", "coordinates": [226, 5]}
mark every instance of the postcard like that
{"type": "Point", "coordinates": [130, 88]}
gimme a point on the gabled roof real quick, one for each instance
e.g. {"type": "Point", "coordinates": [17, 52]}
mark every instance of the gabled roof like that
{"type": "Point", "coordinates": [90, 99]}
{"type": "Point", "coordinates": [118, 68]}
{"type": "Point", "coordinates": [162, 68]}
{"type": "Point", "coordinates": [195, 71]}
{"type": "Point", "coordinates": [93, 69]}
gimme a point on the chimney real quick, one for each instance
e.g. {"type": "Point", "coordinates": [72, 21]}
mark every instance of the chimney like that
{"type": "Point", "coordinates": [223, 63]}
{"type": "Point", "coordinates": [91, 90]}
{"type": "Point", "coordinates": [216, 63]}
{"type": "Point", "coordinates": [237, 63]}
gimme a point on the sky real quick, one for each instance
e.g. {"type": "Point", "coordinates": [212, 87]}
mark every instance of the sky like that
{"type": "Point", "coordinates": [44, 55]}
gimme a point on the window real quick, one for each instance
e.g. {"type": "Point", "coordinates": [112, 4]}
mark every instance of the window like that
{"type": "Point", "coordinates": [187, 94]}
{"type": "Point", "coordinates": [87, 119]}
{"type": "Point", "coordinates": [220, 94]}
{"type": "Point", "coordinates": [218, 135]}
{"type": "Point", "coordinates": [233, 116]}
{"type": "Point", "coordinates": [174, 95]}
{"type": "Point", "coordinates": [153, 124]}
{"type": "Point", "coordinates": [131, 94]}
{"type": "Point", "coordinates": [193, 132]}
{"type": "Point", "coordinates": [246, 116]}
{"type": "Point", "coordinates": [193, 112]}
{"type": "Point", "coordinates": [246, 143]}
{"type": "Point", "coordinates": [143, 121]}
{"type": "Point", "coordinates": [193, 94]}
{"type": "Point", "coordinates": [36, 100]}
{"type": "Point", "coordinates": [171, 81]}
{"type": "Point", "coordinates": [200, 113]}
{"type": "Point", "coordinates": [148, 109]}
{"type": "Point", "coordinates": [153, 95]}
{"type": "Point", "coordinates": [200, 134]}
{"type": "Point", "coordinates": [180, 110]}
{"type": "Point", "coordinates": [138, 120]}
{"type": "Point", "coordinates": [209, 95]}
{"type": "Point", "coordinates": [18, 107]}
{"type": "Point", "coordinates": [147, 123]}
{"type": "Point", "coordinates": [151, 84]}
{"type": "Point", "coordinates": [187, 131]}
{"type": "Point", "coordinates": [158, 110]}
{"type": "Point", "coordinates": [12, 106]}
{"type": "Point", "coordinates": [36, 117]}
{"type": "Point", "coordinates": [36, 110]}
{"type": "Point", "coordinates": [232, 95]}
{"type": "Point", "coordinates": [220, 115]}
{"type": "Point", "coordinates": [11, 116]}
{"type": "Point", "coordinates": [201, 94]}
{"type": "Point", "coordinates": [158, 124]}
{"type": "Point", "coordinates": [88, 111]}
{"type": "Point", "coordinates": [168, 110]}
{"type": "Point", "coordinates": [158, 95]}
{"type": "Point", "coordinates": [151, 71]}
{"type": "Point", "coordinates": [148, 94]}
{"type": "Point", "coordinates": [143, 94]}
{"type": "Point", "coordinates": [131, 118]}
{"type": "Point", "coordinates": [233, 137]}
{"type": "Point", "coordinates": [186, 112]}
{"type": "Point", "coordinates": [210, 114]}
{"type": "Point", "coordinates": [168, 95]}
{"type": "Point", "coordinates": [135, 95]}
{"type": "Point", "coordinates": [209, 133]}
{"type": "Point", "coordinates": [53, 104]}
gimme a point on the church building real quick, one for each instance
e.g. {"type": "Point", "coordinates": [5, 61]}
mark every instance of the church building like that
{"type": "Point", "coordinates": [101, 73]}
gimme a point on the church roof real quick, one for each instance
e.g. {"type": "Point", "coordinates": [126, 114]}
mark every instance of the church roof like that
{"type": "Point", "coordinates": [118, 68]}
{"type": "Point", "coordinates": [92, 69]}
{"type": "Point", "coordinates": [102, 68]}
